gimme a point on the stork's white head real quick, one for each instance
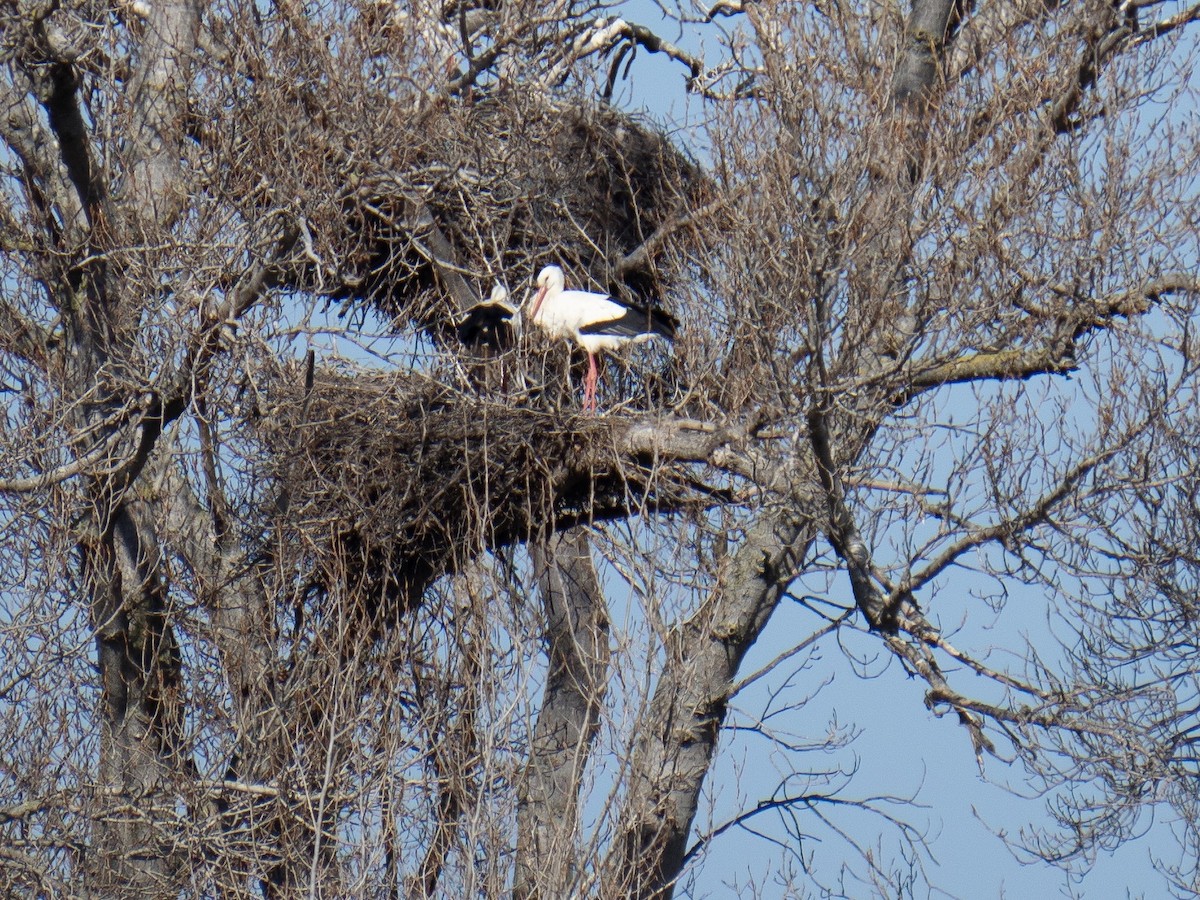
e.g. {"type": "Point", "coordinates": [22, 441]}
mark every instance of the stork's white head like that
{"type": "Point", "coordinates": [550, 278]}
{"type": "Point", "coordinates": [499, 298]}
{"type": "Point", "coordinates": [549, 281]}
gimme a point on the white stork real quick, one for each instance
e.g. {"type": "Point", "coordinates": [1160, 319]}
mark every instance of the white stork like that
{"type": "Point", "coordinates": [594, 321]}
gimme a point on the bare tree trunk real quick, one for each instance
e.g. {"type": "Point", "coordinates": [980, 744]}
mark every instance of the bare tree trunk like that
{"type": "Point", "coordinates": [139, 708]}
{"type": "Point", "coordinates": [577, 638]}
{"type": "Point", "coordinates": [235, 597]}
{"type": "Point", "coordinates": [703, 655]}
{"type": "Point", "coordinates": [679, 736]}
{"type": "Point", "coordinates": [927, 33]}
{"type": "Point", "coordinates": [138, 657]}
{"type": "Point", "coordinates": [453, 726]}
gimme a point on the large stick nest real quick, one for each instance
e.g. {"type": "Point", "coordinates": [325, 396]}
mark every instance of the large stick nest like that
{"type": "Point", "coordinates": [496, 188]}
{"type": "Point", "coordinates": [390, 481]}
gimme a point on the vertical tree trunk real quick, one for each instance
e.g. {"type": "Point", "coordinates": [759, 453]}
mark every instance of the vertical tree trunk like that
{"type": "Point", "coordinates": [577, 646]}
{"type": "Point", "coordinates": [139, 667]}
{"type": "Point", "coordinates": [679, 734]}
{"type": "Point", "coordinates": [928, 31]}
{"type": "Point", "coordinates": [139, 660]}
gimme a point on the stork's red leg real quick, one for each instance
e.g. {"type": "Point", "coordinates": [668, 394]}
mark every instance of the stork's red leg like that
{"type": "Point", "coordinates": [589, 394]}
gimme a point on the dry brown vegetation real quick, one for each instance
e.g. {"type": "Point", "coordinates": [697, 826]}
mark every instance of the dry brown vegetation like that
{"type": "Point", "coordinates": [281, 623]}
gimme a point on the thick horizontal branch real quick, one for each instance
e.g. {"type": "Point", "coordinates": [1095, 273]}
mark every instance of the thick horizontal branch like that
{"type": "Point", "coordinates": [725, 8]}
{"type": "Point", "coordinates": [996, 365]}
{"type": "Point", "coordinates": [1166, 26]}
{"type": "Point", "coordinates": [921, 630]}
{"type": "Point", "coordinates": [74, 800]}
{"type": "Point", "coordinates": [1057, 353]}
{"type": "Point", "coordinates": [78, 466]}
{"type": "Point", "coordinates": [1135, 302]}
{"type": "Point", "coordinates": [690, 440]}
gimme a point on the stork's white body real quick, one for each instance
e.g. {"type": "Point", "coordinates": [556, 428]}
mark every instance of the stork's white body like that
{"type": "Point", "coordinates": [595, 322]}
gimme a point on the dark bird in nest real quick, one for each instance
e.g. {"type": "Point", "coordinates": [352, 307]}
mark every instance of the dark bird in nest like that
{"type": "Point", "coordinates": [490, 325]}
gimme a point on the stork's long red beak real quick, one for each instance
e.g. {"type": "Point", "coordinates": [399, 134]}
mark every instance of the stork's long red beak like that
{"type": "Point", "coordinates": [537, 302]}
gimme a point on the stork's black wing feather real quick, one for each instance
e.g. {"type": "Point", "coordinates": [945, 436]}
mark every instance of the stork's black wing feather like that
{"type": "Point", "coordinates": [487, 325]}
{"type": "Point", "coordinates": [637, 320]}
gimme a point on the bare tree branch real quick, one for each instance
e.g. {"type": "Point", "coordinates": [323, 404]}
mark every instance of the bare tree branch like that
{"type": "Point", "coordinates": [316, 669]}
{"type": "Point", "coordinates": [1166, 26]}
{"type": "Point", "coordinates": [24, 133]}
{"type": "Point", "coordinates": [1058, 354]}
{"type": "Point", "coordinates": [989, 25]}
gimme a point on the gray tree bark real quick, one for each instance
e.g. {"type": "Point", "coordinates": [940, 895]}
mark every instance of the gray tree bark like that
{"type": "Point", "coordinates": [578, 653]}
{"type": "Point", "coordinates": [96, 258]}
{"type": "Point", "coordinates": [927, 34]}
{"type": "Point", "coordinates": [140, 712]}
{"type": "Point", "coordinates": [681, 727]}
{"type": "Point", "coordinates": [137, 655]}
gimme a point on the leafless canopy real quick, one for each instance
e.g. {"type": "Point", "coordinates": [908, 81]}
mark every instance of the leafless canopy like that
{"type": "Point", "coordinates": [299, 598]}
